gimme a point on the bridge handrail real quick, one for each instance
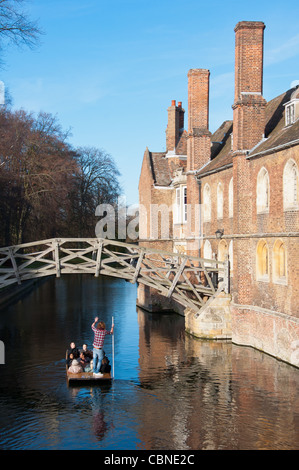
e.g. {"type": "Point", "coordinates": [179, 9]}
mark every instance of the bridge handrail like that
{"type": "Point", "coordinates": [110, 242]}
{"type": "Point", "coordinates": [185, 278]}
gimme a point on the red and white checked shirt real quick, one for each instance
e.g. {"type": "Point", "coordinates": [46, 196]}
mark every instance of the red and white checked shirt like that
{"type": "Point", "coordinates": [99, 336]}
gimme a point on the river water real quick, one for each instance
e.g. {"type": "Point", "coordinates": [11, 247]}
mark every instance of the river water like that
{"type": "Point", "coordinates": [170, 392]}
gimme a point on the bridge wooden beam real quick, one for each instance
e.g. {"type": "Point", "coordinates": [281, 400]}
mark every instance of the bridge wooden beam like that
{"type": "Point", "coordinates": [177, 277]}
{"type": "Point", "coordinates": [184, 278]}
{"type": "Point", "coordinates": [99, 258]}
{"type": "Point", "coordinates": [56, 257]}
{"type": "Point", "coordinates": [138, 266]}
{"type": "Point", "coordinates": [14, 265]}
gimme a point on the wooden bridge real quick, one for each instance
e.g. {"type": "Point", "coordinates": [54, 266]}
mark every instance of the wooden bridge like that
{"type": "Point", "coordinates": [188, 280]}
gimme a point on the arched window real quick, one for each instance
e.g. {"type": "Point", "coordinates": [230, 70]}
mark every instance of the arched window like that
{"type": "Point", "coordinates": [279, 261]}
{"type": "Point", "coordinates": [262, 191]}
{"type": "Point", "coordinates": [206, 203]}
{"type": "Point", "coordinates": [290, 185]}
{"type": "Point", "coordinates": [231, 198]}
{"type": "Point", "coordinates": [219, 201]}
{"type": "Point", "coordinates": [262, 260]}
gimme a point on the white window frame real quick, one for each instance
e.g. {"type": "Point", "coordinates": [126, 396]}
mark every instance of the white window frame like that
{"type": "Point", "coordinates": [290, 114]}
{"type": "Point", "coordinates": [180, 205]}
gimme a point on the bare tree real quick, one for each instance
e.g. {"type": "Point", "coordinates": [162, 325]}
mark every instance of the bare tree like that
{"type": "Point", "coordinates": [47, 188]}
{"type": "Point", "coordinates": [15, 25]}
{"type": "Point", "coordinates": [96, 182]}
{"type": "Point", "coordinates": [36, 176]}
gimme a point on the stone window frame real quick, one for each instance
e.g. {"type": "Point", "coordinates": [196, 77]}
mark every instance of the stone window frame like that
{"type": "Point", "coordinates": [263, 191]}
{"type": "Point", "coordinates": [290, 203]}
{"type": "Point", "coordinates": [207, 203]}
{"type": "Point", "coordinates": [262, 261]}
{"type": "Point", "coordinates": [279, 261]}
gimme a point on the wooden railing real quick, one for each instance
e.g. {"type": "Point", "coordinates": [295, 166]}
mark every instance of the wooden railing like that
{"type": "Point", "coordinates": [188, 280]}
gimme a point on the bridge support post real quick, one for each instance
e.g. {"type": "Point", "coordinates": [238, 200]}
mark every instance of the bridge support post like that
{"type": "Point", "coordinates": [213, 320]}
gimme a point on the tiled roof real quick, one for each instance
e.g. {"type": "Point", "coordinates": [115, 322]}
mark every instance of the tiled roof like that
{"type": "Point", "coordinates": [221, 155]}
{"type": "Point", "coordinates": [275, 131]}
{"type": "Point", "coordinates": [163, 168]}
{"type": "Point", "coordinates": [276, 134]}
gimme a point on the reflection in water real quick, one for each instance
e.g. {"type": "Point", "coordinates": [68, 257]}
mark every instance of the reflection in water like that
{"type": "Point", "coordinates": [171, 391]}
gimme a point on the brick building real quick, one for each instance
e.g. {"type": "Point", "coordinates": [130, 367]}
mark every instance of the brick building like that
{"type": "Point", "coordinates": [245, 180]}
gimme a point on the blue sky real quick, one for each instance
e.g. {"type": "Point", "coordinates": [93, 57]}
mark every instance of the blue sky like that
{"type": "Point", "coordinates": [109, 69]}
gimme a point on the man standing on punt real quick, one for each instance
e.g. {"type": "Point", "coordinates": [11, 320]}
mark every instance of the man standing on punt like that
{"type": "Point", "coordinates": [99, 336]}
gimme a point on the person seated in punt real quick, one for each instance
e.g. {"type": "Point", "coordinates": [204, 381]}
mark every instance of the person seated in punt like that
{"type": "Point", "coordinates": [74, 350]}
{"type": "Point", "coordinates": [76, 367]}
{"type": "Point", "coordinates": [70, 359]}
{"type": "Point", "coordinates": [105, 366]}
{"type": "Point", "coordinates": [87, 352]}
{"type": "Point", "coordinates": [85, 362]}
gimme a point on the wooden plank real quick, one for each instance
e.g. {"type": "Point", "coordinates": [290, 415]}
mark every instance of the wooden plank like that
{"type": "Point", "coordinates": [99, 258]}
{"type": "Point", "coordinates": [56, 251]}
{"type": "Point", "coordinates": [14, 265]}
{"type": "Point", "coordinates": [138, 266]}
{"type": "Point", "coordinates": [177, 277]}
{"type": "Point", "coordinates": [87, 377]}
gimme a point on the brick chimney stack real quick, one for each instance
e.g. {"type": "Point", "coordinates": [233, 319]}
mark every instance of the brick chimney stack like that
{"type": "Point", "coordinates": [249, 104]}
{"type": "Point", "coordinates": [248, 130]}
{"type": "Point", "coordinates": [198, 149]}
{"type": "Point", "coordinates": [199, 142]}
{"type": "Point", "coordinates": [175, 126]}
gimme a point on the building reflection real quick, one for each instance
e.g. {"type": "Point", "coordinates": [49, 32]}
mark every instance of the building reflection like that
{"type": "Point", "coordinates": [209, 394]}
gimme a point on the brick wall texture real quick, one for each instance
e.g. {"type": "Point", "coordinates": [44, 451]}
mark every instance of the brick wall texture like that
{"type": "Point", "coordinates": [247, 159]}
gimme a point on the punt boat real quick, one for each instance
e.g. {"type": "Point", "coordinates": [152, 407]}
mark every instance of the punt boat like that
{"type": "Point", "coordinates": [84, 377]}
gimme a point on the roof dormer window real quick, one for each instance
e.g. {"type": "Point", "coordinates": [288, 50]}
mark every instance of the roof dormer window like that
{"type": "Point", "coordinates": [290, 114]}
{"type": "Point", "coordinates": [292, 108]}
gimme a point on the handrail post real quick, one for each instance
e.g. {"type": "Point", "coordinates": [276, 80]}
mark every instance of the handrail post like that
{"type": "Point", "coordinates": [14, 265]}
{"type": "Point", "coordinates": [99, 258]}
{"type": "Point", "coordinates": [56, 256]}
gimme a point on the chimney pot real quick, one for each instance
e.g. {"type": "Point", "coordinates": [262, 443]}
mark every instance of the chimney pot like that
{"type": "Point", "coordinates": [179, 104]}
{"type": "Point", "coordinates": [173, 103]}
